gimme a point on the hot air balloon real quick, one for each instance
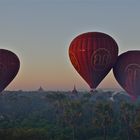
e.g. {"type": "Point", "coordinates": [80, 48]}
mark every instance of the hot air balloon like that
{"type": "Point", "coordinates": [127, 72]}
{"type": "Point", "coordinates": [9, 66]}
{"type": "Point", "coordinates": [93, 54]}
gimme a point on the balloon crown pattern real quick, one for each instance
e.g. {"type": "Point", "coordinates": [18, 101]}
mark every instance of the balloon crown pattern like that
{"type": "Point", "coordinates": [93, 55]}
{"type": "Point", "coordinates": [127, 72]}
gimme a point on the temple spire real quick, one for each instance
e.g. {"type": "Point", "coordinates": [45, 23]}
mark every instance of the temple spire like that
{"type": "Point", "coordinates": [74, 91]}
{"type": "Point", "coordinates": [40, 89]}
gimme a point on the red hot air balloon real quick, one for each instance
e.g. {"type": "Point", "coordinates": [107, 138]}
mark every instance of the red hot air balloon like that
{"type": "Point", "coordinates": [127, 72]}
{"type": "Point", "coordinates": [93, 55]}
{"type": "Point", "coordinates": [9, 66]}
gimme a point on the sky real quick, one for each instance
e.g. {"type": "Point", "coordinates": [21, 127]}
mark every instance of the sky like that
{"type": "Point", "coordinates": [40, 32]}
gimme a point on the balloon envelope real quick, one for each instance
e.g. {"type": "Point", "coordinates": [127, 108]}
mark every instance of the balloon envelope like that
{"type": "Point", "coordinates": [127, 72]}
{"type": "Point", "coordinates": [9, 66]}
{"type": "Point", "coordinates": [93, 55]}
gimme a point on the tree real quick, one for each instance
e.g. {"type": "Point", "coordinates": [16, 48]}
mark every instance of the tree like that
{"type": "Point", "coordinates": [103, 117]}
{"type": "Point", "coordinates": [136, 125]}
{"type": "Point", "coordinates": [127, 117]}
{"type": "Point", "coordinates": [72, 115]}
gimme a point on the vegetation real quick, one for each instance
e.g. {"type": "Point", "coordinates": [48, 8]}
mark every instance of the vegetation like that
{"type": "Point", "coordinates": [64, 116]}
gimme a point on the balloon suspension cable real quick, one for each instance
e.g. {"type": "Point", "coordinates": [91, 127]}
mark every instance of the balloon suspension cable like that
{"type": "Point", "coordinates": [92, 90]}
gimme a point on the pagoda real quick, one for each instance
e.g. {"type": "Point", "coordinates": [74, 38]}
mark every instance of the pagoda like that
{"type": "Point", "coordinates": [74, 91]}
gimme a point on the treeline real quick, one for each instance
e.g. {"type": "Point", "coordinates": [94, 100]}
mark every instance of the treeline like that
{"type": "Point", "coordinates": [63, 117]}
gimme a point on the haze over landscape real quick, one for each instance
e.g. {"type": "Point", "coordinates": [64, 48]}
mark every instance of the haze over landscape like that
{"type": "Point", "coordinates": [48, 99]}
{"type": "Point", "coordinates": [40, 32]}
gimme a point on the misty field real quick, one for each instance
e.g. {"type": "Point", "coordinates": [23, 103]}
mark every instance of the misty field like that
{"type": "Point", "coordinates": [102, 115]}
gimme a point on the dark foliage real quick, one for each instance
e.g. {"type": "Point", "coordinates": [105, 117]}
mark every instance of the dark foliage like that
{"type": "Point", "coordinates": [101, 115]}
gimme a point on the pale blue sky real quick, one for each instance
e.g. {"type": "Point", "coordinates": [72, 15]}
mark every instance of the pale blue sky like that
{"type": "Point", "coordinates": [40, 31]}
